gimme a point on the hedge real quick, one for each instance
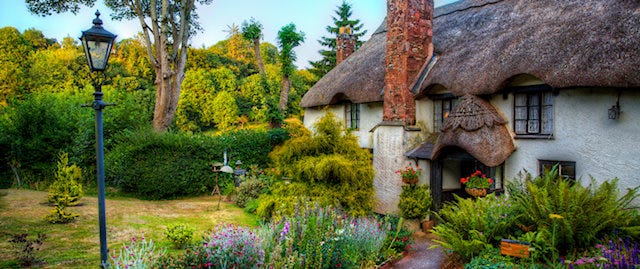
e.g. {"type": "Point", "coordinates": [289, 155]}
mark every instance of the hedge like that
{"type": "Point", "coordinates": [153, 165]}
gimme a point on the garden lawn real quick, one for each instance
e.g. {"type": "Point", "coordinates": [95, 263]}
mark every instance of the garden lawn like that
{"type": "Point", "coordinates": [76, 244]}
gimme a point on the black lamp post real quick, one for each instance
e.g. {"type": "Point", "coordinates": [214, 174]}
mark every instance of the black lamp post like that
{"type": "Point", "coordinates": [97, 43]}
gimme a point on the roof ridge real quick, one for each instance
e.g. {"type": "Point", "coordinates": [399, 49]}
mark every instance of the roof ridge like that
{"type": "Point", "coordinates": [459, 7]}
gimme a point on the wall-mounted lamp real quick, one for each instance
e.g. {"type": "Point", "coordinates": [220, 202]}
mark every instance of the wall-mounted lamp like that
{"type": "Point", "coordinates": [614, 111]}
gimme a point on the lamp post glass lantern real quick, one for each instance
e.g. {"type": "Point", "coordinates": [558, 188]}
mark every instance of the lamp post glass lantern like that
{"type": "Point", "coordinates": [97, 43]}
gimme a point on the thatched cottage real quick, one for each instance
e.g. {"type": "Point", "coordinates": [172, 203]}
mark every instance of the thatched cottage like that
{"type": "Point", "coordinates": [496, 85]}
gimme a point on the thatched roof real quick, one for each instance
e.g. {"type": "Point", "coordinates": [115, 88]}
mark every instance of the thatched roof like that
{"type": "Point", "coordinates": [359, 78]}
{"type": "Point", "coordinates": [476, 126]}
{"type": "Point", "coordinates": [482, 43]}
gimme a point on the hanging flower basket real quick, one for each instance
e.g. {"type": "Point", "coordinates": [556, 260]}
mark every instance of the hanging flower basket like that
{"type": "Point", "coordinates": [477, 184]}
{"type": "Point", "coordinates": [476, 192]}
{"type": "Point", "coordinates": [410, 175]}
{"type": "Point", "coordinates": [410, 181]}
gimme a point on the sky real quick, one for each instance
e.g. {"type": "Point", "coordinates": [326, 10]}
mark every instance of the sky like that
{"type": "Point", "coordinates": [310, 16]}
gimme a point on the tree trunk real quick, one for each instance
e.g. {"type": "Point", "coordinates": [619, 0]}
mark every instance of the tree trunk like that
{"type": "Point", "coordinates": [256, 47]}
{"type": "Point", "coordinates": [284, 93]}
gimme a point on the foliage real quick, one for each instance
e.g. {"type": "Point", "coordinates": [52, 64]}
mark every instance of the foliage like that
{"type": "Point", "coordinates": [234, 247]}
{"type": "Point", "coordinates": [399, 237]}
{"type": "Point", "coordinates": [583, 213]}
{"type": "Point", "coordinates": [154, 165]}
{"type": "Point", "coordinates": [477, 180]}
{"type": "Point", "coordinates": [59, 215]}
{"type": "Point", "coordinates": [415, 201]}
{"type": "Point", "coordinates": [490, 259]}
{"type": "Point", "coordinates": [288, 38]}
{"type": "Point", "coordinates": [197, 107]}
{"type": "Point", "coordinates": [329, 168]}
{"type": "Point", "coordinates": [66, 190]}
{"type": "Point", "coordinates": [295, 128]}
{"type": "Point", "coordinates": [250, 189]}
{"type": "Point", "coordinates": [322, 238]}
{"type": "Point", "coordinates": [252, 30]}
{"type": "Point", "coordinates": [167, 51]}
{"type": "Point", "coordinates": [179, 235]}
{"type": "Point", "coordinates": [343, 18]}
{"type": "Point", "coordinates": [14, 49]}
{"type": "Point", "coordinates": [27, 250]}
{"type": "Point", "coordinates": [138, 254]}
{"type": "Point", "coordinates": [409, 173]}
{"type": "Point", "coordinates": [611, 253]}
{"type": "Point", "coordinates": [225, 110]}
{"type": "Point", "coordinates": [469, 226]}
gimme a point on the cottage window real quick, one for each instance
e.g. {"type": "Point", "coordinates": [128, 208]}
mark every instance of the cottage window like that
{"type": "Point", "coordinates": [352, 115]}
{"type": "Point", "coordinates": [442, 106]}
{"type": "Point", "coordinates": [566, 169]}
{"type": "Point", "coordinates": [533, 113]}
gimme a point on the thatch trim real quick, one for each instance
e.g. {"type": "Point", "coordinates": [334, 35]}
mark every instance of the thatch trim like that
{"type": "Point", "coordinates": [359, 78]}
{"type": "Point", "coordinates": [475, 126]}
{"type": "Point", "coordinates": [568, 43]}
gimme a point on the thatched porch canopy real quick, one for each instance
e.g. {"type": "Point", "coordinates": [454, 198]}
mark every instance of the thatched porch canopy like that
{"type": "Point", "coordinates": [476, 127]}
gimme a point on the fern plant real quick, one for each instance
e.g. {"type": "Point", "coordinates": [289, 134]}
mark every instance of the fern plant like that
{"type": "Point", "coordinates": [580, 214]}
{"type": "Point", "coordinates": [469, 226]}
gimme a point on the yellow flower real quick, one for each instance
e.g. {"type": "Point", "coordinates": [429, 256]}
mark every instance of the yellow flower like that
{"type": "Point", "coordinates": [555, 216]}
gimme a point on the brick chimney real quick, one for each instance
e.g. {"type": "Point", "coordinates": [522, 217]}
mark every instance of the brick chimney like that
{"type": "Point", "coordinates": [345, 43]}
{"type": "Point", "coordinates": [409, 32]}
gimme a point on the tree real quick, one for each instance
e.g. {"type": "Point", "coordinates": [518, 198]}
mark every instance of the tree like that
{"type": "Point", "coordinates": [14, 52]}
{"type": "Point", "coordinates": [288, 38]}
{"type": "Point", "coordinates": [225, 110]}
{"type": "Point", "coordinates": [252, 31]}
{"type": "Point", "coordinates": [169, 22]}
{"type": "Point", "coordinates": [328, 61]}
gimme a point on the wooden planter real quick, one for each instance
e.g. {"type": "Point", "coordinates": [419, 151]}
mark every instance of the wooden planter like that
{"type": "Point", "coordinates": [514, 248]}
{"type": "Point", "coordinates": [476, 192]}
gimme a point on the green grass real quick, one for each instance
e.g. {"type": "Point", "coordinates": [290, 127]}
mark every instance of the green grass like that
{"type": "Point", "coordinates": [76, 244]}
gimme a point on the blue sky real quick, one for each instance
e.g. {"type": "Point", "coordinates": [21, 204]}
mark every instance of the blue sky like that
{"type": "Point", "coordinates": [310, 16]}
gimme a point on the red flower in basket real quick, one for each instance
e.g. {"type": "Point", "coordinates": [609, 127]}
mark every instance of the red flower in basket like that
{"type": "Point", "coordinates": [409, 174]}
{"type": "Point", "coordinates": [477, 180]}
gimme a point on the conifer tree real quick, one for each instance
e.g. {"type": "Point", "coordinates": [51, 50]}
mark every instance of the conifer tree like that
{"type": "Point", "coordinates": [342, 18]}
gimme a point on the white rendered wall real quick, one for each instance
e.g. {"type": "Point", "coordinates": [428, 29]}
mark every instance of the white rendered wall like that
{"type": "Point", "coordinates": [583, 133]}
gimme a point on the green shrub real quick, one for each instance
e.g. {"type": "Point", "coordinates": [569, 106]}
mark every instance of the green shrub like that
{"type": "Point", "coordinates": [314, 237]}
{"type": "Point", "coordinates": [179, 235]}
{"type": "Point", "coordinates": [469, 226]}
{"type": "Point", "coordinates": [328, 167]}
{"type": "Point", "coordinates": [59, 215]}
{"type": "Point", "coordinates": [249, 189]}
{"type": "Point", "coordinates": [579, 215]}
{"type": "Point", "coordinates": [35, 129]}
{"type": "Point", "coordinates": [490, 259]}
{"type": "Point", "coordinates": [155, 165]}
{"type": "Point", "coordinates": [140, 253]}
{"type": "Point", "coordinates": [415, 201]}
{"type": "Point", "coordinates": [66, 190]}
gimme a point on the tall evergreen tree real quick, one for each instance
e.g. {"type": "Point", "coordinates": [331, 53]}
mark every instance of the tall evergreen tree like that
{"type": "Point", "coordinates": [343, 18]}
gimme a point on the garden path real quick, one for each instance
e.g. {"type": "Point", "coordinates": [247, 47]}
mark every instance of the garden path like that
{"type": "Point", "coordinates": [420, 256]}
